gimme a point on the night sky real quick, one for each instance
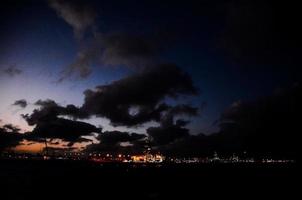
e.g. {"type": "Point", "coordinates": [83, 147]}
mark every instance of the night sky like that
{"type": "Point", "coordinates": [80, 72]}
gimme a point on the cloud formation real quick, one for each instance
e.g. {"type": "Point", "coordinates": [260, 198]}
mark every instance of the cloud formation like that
{"type": "Point", "coordinates": [78, 15]}
{"type": "Point", "coordinates": [269, 124]}
{"type": "Point", "coordinates": [142, 92]}
{"type": "Point", "coordinates": [11, 71]}
{"type": "Point", "coordinates": [104, 48]}
{"type": "Point", "coordinates": [50, 110]}
{"type": "Point", "coordinates": [117, 101]}
{"type": "Point", "coordinates": [81, 67]}
{"type": "Point", "coordinates": [169, 131]}
{"type": "Point", "coordinates": [130, 102]}
{"type": "Point", "coordinates": [115, 137]}
{"type": "Point", "coordinates": [48, 124]}
{"type": "Point", "coordinates": [67, 130]}
{"type": "Point", "coordinates": [21, 103]}
{"type": "Point", "coordinates": [172, 129]}
{"type": "Point", "coordinates": [266, 126]}
{"type": "Point", "coordinates": [129, 50]}
{"type": "Point", "coordinates": [9, 136]}
{"type": "Point", "coordinates": [115, 49]}
{"type": "Point", "coordinates": [10, 128]}
{"type": "Point", "coordinates": [111, 141]}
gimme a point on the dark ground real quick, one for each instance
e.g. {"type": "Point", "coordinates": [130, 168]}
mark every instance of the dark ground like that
{"type": "Point", "coordinates": [75, 179]}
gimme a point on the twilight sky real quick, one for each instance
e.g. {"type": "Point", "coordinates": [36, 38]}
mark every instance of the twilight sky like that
{"type": "Point", "coordinates": [134, 66]}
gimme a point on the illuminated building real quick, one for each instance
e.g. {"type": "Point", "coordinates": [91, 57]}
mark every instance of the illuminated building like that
{"type": "Point", "coordinates": [139, 158]}
{"type": "Point", "coordinates": [147, 158]}
{"type": "Point", "coordinates": [215, 158]}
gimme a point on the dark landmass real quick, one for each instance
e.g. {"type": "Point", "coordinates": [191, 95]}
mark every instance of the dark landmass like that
{"type": "Point", "coordinates": [50, 179]}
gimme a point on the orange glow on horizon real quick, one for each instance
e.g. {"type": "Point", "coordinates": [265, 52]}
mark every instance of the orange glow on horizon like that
{"type": "Point", "coordinates": [32, 148]}
{"type": "Point", "coordinates": [36, 147]}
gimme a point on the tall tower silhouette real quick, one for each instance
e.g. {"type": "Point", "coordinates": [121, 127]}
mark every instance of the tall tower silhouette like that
{"type": "Point", "coordinates": [148, 150]}
{"type": "Point", "coordinates": [46, 147]}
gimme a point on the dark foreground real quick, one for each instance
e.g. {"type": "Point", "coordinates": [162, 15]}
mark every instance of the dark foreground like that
{"type": "Point", "coordinates": [74, 179]}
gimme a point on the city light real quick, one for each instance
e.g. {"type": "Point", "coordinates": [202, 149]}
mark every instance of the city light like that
{"type": "Point", "coordinates": [146, 157]}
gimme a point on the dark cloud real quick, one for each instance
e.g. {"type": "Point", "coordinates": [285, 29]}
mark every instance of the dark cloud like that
{"type": "Point", "coordinates": [67, 130]}
{"type": "Point", "coordinates": [81, 67]}
{"type": "Point", "coordinates": [110, 141]}
{"type": "Point", "coordinates": [129, 50]}
{"type": "Point", "coordinates": [130, 101]}
{"type": "Point", "coordinates": [134, 50]}
{"type": "Point", "coordinates": [77, 14]}
{"type": "Point", "coordinates": [79, 140]}
{"type": "Point", "coordinates": [263, 34]}
{"type": "Point", "coordinates": [182, 122]}
{"type": "Point", "coordinates": [142, 93]}
{"type": "Point", "coordinates": [115, 137]}
{"type": "Point", "coordinates": [54, 142]}
{"type": "Point", "coordinates": [182, 109]}
{"type": "Point", "coordinates": [269, 124]}
{"type": "Point", "coordinates": [22, 103]}
{"type": "Point", "coordinates": [11, 71]}
{"type": "Point", "coordinates": [10, 128]}
{"type": "Point", "coordinates": [48, 124]}
{"type": "Point", "coordinates": [50, 107]}
{"type": "Point", "coordinates": [50, 110]}
{"type": "Point", "coordinates": [116, 49]}
{"type": "Point", "coordinates": [46, 103]}
{"type": "Point", "coordinates": [104, 48]}
{"type": "Point", "coordinates": [166, 134]}
{"type": "Point", "coordinates": [81, 17]}
{"type": "Point", "coordinates": [171, 129]}
{"type": "Point", "coordinates": [192, 145]}
{"type": "Point", "coordinates": [9, 136]}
